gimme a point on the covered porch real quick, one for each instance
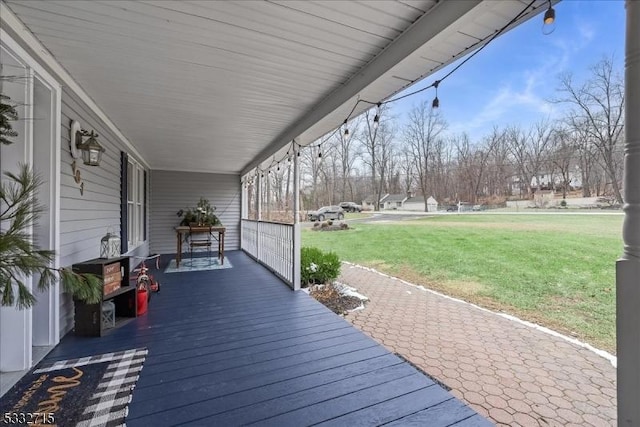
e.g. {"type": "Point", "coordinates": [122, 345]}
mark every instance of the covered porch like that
{"type": "Point", "coordinates": [235, 346]}
{"type": "Point", "coordinates": [193, 98]}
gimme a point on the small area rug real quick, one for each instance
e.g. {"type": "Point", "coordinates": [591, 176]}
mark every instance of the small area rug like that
{"type": "Point", "coordinates": [197, 264]}
{"type": "Point", "coordinates": [90, 391]}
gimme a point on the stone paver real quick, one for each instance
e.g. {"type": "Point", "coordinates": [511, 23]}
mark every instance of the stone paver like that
{"type": "Point", "coordinates": [513, 374]}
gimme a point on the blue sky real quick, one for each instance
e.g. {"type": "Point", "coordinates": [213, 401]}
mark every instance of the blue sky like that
{"type": "Point", "coordinates": [509, 81]}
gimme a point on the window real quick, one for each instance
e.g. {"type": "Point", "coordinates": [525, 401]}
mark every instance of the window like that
{"type": "Point", "coordinates": [134, 209]}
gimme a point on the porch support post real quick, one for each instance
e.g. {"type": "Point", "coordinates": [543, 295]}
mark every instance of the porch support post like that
{"type": "Point", "coordinates": [267, 194]}
{"type": "Point", "coordinates": [259, 196]}
{"type": "Point", "coordinates": [296, 220]}
{"type": "Point", "coordinates": [244, 211]}
{"type": "Point", "coordinates": [628, 266]}
{"type": "Point", "coordinates": [258, 214]}
{"type": "Point", "coordinates": [244, 202]}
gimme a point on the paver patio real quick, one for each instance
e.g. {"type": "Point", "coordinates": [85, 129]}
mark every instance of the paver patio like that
{"type": "Point", "coordinates": [512, 373]}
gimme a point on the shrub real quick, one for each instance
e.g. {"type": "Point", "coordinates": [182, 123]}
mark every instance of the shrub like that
{"type": "Point", "coordinates": [563, 203]}
{"type": "Point", "coordinates": [317, 267]}
{"type": "Point", "coordinates": [316, 224]}
{"type": "Point", "coordinates": [329, 222]}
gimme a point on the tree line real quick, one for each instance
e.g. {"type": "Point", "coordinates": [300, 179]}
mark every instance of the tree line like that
{"type": "Point", "coordinates": [581, 150]}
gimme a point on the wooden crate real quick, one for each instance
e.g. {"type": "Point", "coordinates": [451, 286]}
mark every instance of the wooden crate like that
{"type": "Point", "coordinates": [111, 287]}
{"type": "Point", "coordinates": [111, 269]}
{"type": "Point", "coordinates": [114, 273]}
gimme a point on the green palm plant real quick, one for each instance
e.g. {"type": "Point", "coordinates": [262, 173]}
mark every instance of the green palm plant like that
{"type": "Point", "coordinates": [20, 258]}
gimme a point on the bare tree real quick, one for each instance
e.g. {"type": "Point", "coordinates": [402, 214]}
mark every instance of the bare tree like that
{"type": "Point", "coordinates": [393, 182]}
{"type": "Point", "coordinates": [472, 164]}
{"type": "Point", "coordinates": [311, 163]}
{"type": "Point", "coordinates": [599, 102]}
{"type": "Point", "coordinates": [576, 130]}
{"type": "Point", "coordinates": [346, 154]}
{"type": "Point", "coordinates": [561, 156]}
{"type": "Point", "coordinates": [376, 142]}
{"type": "Point", "coordinates": [407, 169]}
{"type": "Point", "coordinates": [425, 125]}
{"type": "Point", "coordinates": [529, 150]}
{"type": "Point", "coordinates": [499, 168]}
{"type": "Point", "coordinates": [277, 177]}
{"type": "Point", "coordinates": [329, 170]}
{"type": "Point", "coordinates": [441, 162]}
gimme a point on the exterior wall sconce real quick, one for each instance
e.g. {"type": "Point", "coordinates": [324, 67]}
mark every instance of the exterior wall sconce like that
{"type": "Point", "coordinates": [90, 149]}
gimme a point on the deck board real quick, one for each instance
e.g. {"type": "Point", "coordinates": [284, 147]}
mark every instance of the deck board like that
{"type": "Point", "coordinates": [237, 346]}
{"type": "Point", "coordinates": [251, 390]}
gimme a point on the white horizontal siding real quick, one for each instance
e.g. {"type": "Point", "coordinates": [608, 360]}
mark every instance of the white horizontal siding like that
{"type": "Point", "coordinates": [172, 191]}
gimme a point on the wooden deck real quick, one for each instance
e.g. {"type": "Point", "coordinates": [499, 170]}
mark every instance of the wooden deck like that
{"type": "Point", "coordinates": [237, 346]}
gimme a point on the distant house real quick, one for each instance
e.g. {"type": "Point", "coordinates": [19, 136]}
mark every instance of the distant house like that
{"type": "Point", "coordinates": [369, 202]}
{"type": "Point", "coordinates": [416, 203]}
{"type": "Point", "coordinates": [548, 180]}
{"type": "Point", "coordinates": [393, 201]}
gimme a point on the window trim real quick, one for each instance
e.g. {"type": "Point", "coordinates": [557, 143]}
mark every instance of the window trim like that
{"type": "Point", "coordinates": [133, 208]}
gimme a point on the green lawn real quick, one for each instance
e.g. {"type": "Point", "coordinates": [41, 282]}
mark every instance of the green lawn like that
{"type": "Point", "coordinates": [558, 270]}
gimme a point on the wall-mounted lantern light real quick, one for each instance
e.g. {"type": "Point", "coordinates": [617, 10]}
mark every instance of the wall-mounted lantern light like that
{"type": "Point", "coordinates": [90, 149]}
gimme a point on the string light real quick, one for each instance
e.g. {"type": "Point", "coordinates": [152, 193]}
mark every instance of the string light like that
{"type": "Point", "coordinates": [549, 21]}
{"type": "Point", "coordinates": [550, 15]}
{"type": "Point", "coordinates": [548, 28]}
{"type": "Point", "coordinates": [376, 119]}
{"type": "Point", "coordinates": [436, 101]}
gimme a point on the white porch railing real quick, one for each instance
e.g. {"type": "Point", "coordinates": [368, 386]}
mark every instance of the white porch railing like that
{"type": "Point", "coordinates": [249, 235]}
{"type": "Point", "coordinates": [271, 244]}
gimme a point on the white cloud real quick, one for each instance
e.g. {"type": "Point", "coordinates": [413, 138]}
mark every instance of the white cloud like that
{"type": "Point", "coordinates": [520, 96]}
{"type": "Point", "coordinates": [508, 106]}
{"type": "Point", "coordinates": [524, 97]}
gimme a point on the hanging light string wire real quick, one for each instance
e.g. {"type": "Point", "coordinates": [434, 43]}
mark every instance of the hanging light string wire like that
{"type": "Point", "coordinates": [379, 104]}
{"type": "Point", "coordinates": [453, 70]}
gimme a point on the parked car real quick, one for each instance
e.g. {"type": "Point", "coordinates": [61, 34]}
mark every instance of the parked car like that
{"type": "Point", "coordinates": [478, 208]}
{"type": "Point", "coordinates": [350, 207]}
{"type": "Point", "coordinates": [326, 212]}
{"type": "Point", "coordinates": [452, 208]}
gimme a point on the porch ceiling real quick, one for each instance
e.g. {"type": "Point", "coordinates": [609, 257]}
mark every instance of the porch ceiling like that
{"type": "Point", "coordinates": [218, 86]}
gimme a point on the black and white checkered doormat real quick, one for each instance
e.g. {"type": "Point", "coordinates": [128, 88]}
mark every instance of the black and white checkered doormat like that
{"type": "Point", "coordinates": [108, 405]}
